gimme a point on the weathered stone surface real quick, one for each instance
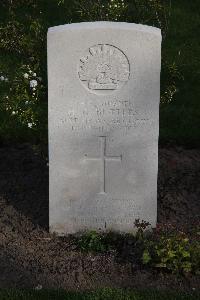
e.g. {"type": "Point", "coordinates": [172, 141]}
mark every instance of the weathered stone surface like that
{"type": "Point", "coordinates": [104, 90]}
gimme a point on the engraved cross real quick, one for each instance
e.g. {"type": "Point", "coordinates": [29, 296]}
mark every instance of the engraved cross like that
{"type": "Point", "coordinates": [103, 159]}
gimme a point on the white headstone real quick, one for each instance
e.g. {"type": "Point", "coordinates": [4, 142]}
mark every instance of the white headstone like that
{"type": "Point", "coordinates": [104, 91]}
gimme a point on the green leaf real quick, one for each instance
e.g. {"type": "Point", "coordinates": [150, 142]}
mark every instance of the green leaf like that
{"type": "Point", "coordinates": [161, 265]}
{"type": "Point", "coordinates": [146, 257]}
{"type": "Point", "coordinates": [171, 254]}
{"type": "Point", "coordinates": [187, 266]}
{"type": "Point", "coordinates": [185, 253]}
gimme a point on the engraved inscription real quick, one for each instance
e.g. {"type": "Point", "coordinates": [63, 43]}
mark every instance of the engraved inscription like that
{"type": "Point", "coordinates": [103, 159]}
{"type": "Point", "coordinates": [104, 67]}
{"type": "Point", "coordinates": [100, 118]}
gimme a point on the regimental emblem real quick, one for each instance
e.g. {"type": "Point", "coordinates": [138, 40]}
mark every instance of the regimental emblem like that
{"type": "Point", "coordinates": [104, 67]}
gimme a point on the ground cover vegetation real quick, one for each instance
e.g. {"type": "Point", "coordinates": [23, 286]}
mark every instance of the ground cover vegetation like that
{"type": "Point", "coordinates": [105, 294]}
{"type": "Point", "coordinates": [165, 248]}
{"type": "Point", "coordinates": [23, 70]}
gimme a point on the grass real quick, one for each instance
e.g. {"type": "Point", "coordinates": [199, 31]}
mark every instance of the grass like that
{"type": "Point", "coordinates": [105, 294]}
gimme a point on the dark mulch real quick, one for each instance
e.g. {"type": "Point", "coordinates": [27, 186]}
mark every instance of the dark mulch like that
{"type": "Point", "coordinates": [30, 256]}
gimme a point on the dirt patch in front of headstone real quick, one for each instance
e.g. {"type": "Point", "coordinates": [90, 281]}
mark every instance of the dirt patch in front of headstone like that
{"type": "Point", "coordinates": [31, 257]}
{"type": "Point", "coordinates": [179, 187]}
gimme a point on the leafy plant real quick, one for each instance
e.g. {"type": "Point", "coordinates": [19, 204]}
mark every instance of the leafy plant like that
{"type": "Point", "coordinates": [23, 98]}
{"type": "Point", "coordinates": [92, 241]}
{"type": "Point", "coordinates": [150, 12]}
{"type": "Point", "coordinates": [171, 250]}
{"type": "Point", "coordinates": [100, 242]}
{"type": "Point", "coordinates": [141, 227]}
{"type": "Point", "coordinates": [164, 248]}
{"type": "Point", "coordinates": [23, 28]}
{"type": "Point", "coordinates": [170, 77]}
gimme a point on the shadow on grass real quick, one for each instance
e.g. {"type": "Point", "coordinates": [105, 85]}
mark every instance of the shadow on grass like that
{"type": "Point", "coordinates": [105, 294]}
{"type": "Point", "coordinates": [24, 182]}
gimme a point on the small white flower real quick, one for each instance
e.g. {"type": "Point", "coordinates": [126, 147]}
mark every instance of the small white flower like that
{"type": "Point", "coordinates": [26, 102]}
{"type": "Point", "coordinates": [33, 94]}
{"type": "Point", "coordinates": [13, 112]}
{"type": "Point", "coordinates": [26, 75]}
{"type": "Point", "coordinates": [6, 79]}
{"type": "Point", "coordinates": [33, 83]}
{"type": "Point", "coordinates": [34, 89]}
{"type": "Point", "coordinates": [2, 78]}
{"type": "Point", "coordinates": [38, 287]}
{"type": "Point", "coordinates": [34, 74]}
{"type": "Point", "coordinates": [7, 97]}
{"type": "Point", "coordinates": [30, 125]}
{"type": "Point", "coordinates": [30, 71]}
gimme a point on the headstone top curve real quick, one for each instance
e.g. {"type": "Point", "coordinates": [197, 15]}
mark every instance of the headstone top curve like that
{"type": "Point", "coordinates": [107, 25]}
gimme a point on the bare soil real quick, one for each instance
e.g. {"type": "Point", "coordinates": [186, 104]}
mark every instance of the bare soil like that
{"type": "Point", "coordinates": [31, 257]}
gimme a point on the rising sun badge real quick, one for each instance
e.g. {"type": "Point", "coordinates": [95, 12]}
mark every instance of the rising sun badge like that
{"type": "Point", "coordinates": [104, 67]}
